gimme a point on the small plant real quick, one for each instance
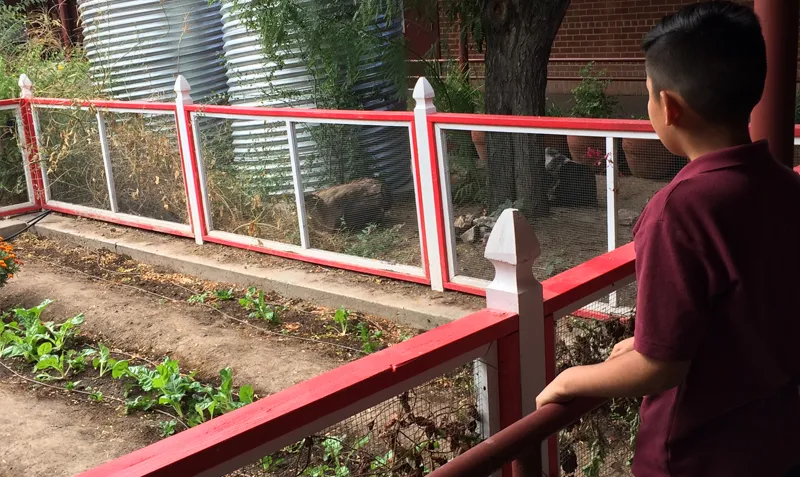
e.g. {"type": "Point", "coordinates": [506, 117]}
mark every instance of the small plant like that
{"type": "Point", "coordinates": [199, 298]}
{"type": "Point", "coordinates": [591, 98]}
{"type": "Point", "coordinates": [342, 318]}
{"type": "Point", "coordinates": [374, 242]}
{"type": "Point", "coordinates": [167, 428]}
{"type": "Point", "coordinates": [9, 264]}
{"type": "Point", "coordinates": [369, 343]}
{"type": "Point", "coordinates": [224, 295]}
{"type": "Point", "coordinates": [254, 300]}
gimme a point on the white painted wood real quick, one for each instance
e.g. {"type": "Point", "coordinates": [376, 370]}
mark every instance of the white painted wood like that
{"type": "Point", "coordinates": [42, 166]}
{"type": "Point", "coordinates": [299, 191]}
{"type": "Point", "coordinates": [22, 140]}
{"type": "Point", "coordinates": [103, 214]}
{"type": "Point", "coordinates": [485, 372]}
{"type": "Point", "coordinates": [366, 263]}
{"type": "Point", "coordinates": [112, 190]}
{"type": "Point", "coordinates": [201, 170]}
{"type": "Point", "coordinates": [337, 417]}
{"type": "Point", "coordinates": [417, 198]}
{"type": "Point", "coordinates": [153, 112]}
{"type": "Point", "coordinates": [183, 98]}
{"type": "Point", "coordinates": [612, 183]}
{"type": "Point", "coordinates": [315, 120]}
{"type": "Point", "coordinates": [15, 207]}
{"type": "Point", "coordinates": [512, 248]}
{"type": "Point", "coordinates": [25, 87]}
{"type": "Point", "coordinates": [423, 95]}
{"type": "Point", "coordinates": [447, 201]}
{"type": "Point", "coordinates": [554, 131]}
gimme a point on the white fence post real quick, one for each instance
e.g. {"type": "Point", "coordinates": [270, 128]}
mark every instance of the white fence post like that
{"type": "Point", "coordinates": [512, 248]}
{"type": "Point", "coordinates": [183, 98]}
{"type": "Point", "coordinates": [428, 174]}
{"type": "Point", "coordinates": [112, 190]}
{"type": "Point", "coordinates": [612, 183]}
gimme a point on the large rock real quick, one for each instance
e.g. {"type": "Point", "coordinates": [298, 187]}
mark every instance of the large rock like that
{"type": "Point", "coordinates": [350, 206]}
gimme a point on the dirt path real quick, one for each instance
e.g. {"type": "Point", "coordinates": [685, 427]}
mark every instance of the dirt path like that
{"type": "Point", "coordinates": [54, 437]}
{"type": "Point", "coordinates": [199, 338]}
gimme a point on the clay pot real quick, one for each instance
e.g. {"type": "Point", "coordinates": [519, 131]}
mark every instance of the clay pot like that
{"type": "Point", "coordinates": [479, 139]}
{"type": "Point", "coordinates": [649, 159]}
{"type": "Point", "coordinates": [580, 145]}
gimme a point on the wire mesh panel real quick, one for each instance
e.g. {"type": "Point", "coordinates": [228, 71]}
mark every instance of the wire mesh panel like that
{"type": "Point", "coordinates": [72, 157]}
{"type": "Point", "coordinates": [248, 183]}
{"type": "Point", "coordinates": [13, 180]}
{"type": "Point", "coordinates": [358, 192]}
{"type": "Point", "coordinates": [601, 443]}
{"type": "Point", "coordinates": [564, 199]}
{"type": "Point", "coordinates": [146, 166]}
{"type": "Point", "coordinates": [409, 435]}
{"type": "Point", "coordinates": [645, 167]}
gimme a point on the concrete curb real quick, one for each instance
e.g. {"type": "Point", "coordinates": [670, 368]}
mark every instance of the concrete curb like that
{"type": "Point", "coordinates": [318, 288]}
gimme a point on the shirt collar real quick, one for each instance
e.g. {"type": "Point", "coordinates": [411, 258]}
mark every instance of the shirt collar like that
{"type": "Point", "coordinates": [724, 158]}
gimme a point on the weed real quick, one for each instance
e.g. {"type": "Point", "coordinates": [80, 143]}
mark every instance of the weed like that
{"type": "Point", "coordinates": [199, 298]}
{"type": "Point", "coordinates": [254, 300]}
{"type": "Point", "coordinates": [167, 427]}
{"type": "Point", "coordinates": [369, 343]}
{"type": "Point", "coordinates": [223, 295]}
{"type": "Point", "coordinates": [374, 242]}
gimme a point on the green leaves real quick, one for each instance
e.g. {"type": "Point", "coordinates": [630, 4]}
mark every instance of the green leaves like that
{"type": "Point", "coordinates": [342, 318]}
{"type": "Point", "coordinates": [255, 300]}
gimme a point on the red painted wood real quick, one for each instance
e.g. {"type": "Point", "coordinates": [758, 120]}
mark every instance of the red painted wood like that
{"type": "Point", "coordinates": [508, 383]}
{"type": "Point", "coordinates": [20, 211]}
{"type": "Point", "coordinates": [437, 199]}
{"type": "Point", "coordinates": [118, 220]}
{"type": "Point", "coordinates": [588, 278]}
{"type": "Point", "coordinates": [223, 439]}
{"type": "Point", "coordinates": [321, 261]}
{"type": "Point", "coordinates": [399, 116]}
{"type": "Point", "coordinates": [610, 125]}
{"type": "Point", "coordinates": [187, 189]}
{"type": "Point", "coordinates": [415, 164]}
{"type": "Point", "coordinates": [469, 289]}
{"type": "Point", "coordinates": [10, 102]}
{"type": "Point", "coordinates": [32, 150]}
{"type": "Point", "coordinates": [99, 103]}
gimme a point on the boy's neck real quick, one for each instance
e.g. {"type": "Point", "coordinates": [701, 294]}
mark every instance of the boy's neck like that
{"type": "Point", "coordinates": [716, 139]}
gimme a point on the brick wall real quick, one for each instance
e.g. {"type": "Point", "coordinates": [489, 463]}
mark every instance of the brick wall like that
{"type": "Point", "coordinates": [606, 32]}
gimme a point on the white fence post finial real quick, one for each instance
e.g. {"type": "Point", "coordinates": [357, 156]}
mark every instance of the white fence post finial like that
{"type": "Point", "coordinates": [428, 176]}
{"type": "Point", "coordinates": [512, 248]}
{"type": "Point", "coordinates": [25, 86]}
{"type": "Point", "coordinates": [183, 117]}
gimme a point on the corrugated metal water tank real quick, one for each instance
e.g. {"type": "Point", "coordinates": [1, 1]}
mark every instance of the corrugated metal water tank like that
{"type": "Point", "coordinates": [138, 47]}
{"type": "Point", "coordinates": [254, 81]}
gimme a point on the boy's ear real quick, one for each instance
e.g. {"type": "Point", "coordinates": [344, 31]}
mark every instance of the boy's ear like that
{"type": "Point", "coordinates": [673, 107]}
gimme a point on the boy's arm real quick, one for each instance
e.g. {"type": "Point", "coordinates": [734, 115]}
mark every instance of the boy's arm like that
{"type": "Point", "coordinates": [629, 375]}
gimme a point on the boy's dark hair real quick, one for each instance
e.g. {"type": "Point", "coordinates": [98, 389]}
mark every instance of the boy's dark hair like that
{"type": "Point", "coordinates": [713, 54]}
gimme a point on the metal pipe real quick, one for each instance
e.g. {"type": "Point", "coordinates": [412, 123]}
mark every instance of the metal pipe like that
{"type": "Point", "coordinates": [65, 24]}
{"type": "Point", "coordinates": [773, 118]}
{"type": "Point", "coordinates": [519, 442]}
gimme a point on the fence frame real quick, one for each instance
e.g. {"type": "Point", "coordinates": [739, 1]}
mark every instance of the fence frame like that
{"type": "Point", "coordinates": [513, 341]}
{"type": "Point", "coordinates": [30, 205]}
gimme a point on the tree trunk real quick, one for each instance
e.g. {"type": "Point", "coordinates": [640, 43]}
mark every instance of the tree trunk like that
{"type": "Point", "coordinates": [519, 35]}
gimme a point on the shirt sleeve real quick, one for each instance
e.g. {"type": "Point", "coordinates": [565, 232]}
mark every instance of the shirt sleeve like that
{"type": "Point", "coordinates": [672, 293]}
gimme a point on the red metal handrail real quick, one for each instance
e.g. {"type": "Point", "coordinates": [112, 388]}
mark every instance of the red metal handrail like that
{"type": "Point", "coordinates": [520, 442]}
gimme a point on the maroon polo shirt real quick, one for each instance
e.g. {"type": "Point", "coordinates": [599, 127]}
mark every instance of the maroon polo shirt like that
{"type": "Point", "coordinates": [718, 271]}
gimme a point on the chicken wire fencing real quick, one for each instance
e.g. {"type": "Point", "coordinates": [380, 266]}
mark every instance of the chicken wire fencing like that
{"type": "Point", "coordinates": [14, 187]}
{"type": "Point", "coordinates": [354, 184]}
{"type": "Point", "coordinates": [409, 435]}
{"type": "Point", "coordinates": [601, 443]}
{"type": "Point", "coordinates": [125, 162]}
{"type": "Point", "coordinates": [560, 183]}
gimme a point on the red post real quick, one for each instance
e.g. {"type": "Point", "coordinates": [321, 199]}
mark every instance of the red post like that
{"type": "Point", "coordinates": [31, 147]}
{"type": "Point", "coordinates": [773, 118]}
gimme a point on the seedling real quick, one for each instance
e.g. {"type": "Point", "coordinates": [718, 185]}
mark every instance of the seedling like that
{"type": "Point", "coordinates": [342, 318]}
{"type": "Point", "coordinates": [199, 298]}
{"type": "Point", "coordinates": [224, 295]}
{"type": "Point", "coordinates": [254, 300]}
{"type": "Point", "coordinates": [369, 344]}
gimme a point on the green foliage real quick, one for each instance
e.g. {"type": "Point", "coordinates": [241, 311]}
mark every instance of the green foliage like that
{"type": "Point", "coordinates": [375, 242]}
{"type": "Point", "coordinates": [9, 263]}
{"type": "Point", "coordinates": [199, 298]}
{"type": "Point", "coordinates": [591, 98]}
{"type": "Point", "coordinates": [224, 295]}
{"type": "Point", "coordinates": [30, 44]}
{"type": "Point", "coordinates": [369, 339]}
{"type": "Point", "coordinates": [254, 300]}
{"type": "Point", "coordinates": [342, 318]}
{"type": "Point", "coordinates": [454, 91]}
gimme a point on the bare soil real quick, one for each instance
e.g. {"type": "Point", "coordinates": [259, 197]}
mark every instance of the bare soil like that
{"type": "Point", "coordinates": [143, 312]}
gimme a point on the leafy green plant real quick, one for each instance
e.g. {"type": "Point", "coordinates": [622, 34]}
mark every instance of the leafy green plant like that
{"type": "Point", "coordinates": [375, 242]}
{"type": "Point", "coordinates": [254, 300]}
{"type": "Point", "coordinates": [369, 343]}
{"type": "Point", "coordinates": [224, 295]}
{"type": "Point", "coordinates": [342, 318]}
{"type": "Point", "coordinates": [167, 428]}
{"type": "Point", "coordinates": [199, 298]}
{"type": "Point", "coordinates": [25, 334]}
{"type": "Point", "coordinates": [590, 96]}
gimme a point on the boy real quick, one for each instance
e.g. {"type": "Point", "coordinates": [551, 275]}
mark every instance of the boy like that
{"type": "Point", "coordinates": [717, 263]}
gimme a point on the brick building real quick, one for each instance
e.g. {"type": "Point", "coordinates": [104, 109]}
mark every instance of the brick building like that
{"type": "Point", "coordinates": [607, 32]}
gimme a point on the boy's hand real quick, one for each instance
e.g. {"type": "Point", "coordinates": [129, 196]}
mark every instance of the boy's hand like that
{"type": "Point", "coordinates": [554, 392]}
{"type": "Point", "coordinates": [621, 348]}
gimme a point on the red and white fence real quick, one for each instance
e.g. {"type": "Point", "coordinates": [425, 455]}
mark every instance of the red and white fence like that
{"type": "Point", "coordinates": [430, 166]}
{"type": "Point", "coordinates": [512, 344]}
